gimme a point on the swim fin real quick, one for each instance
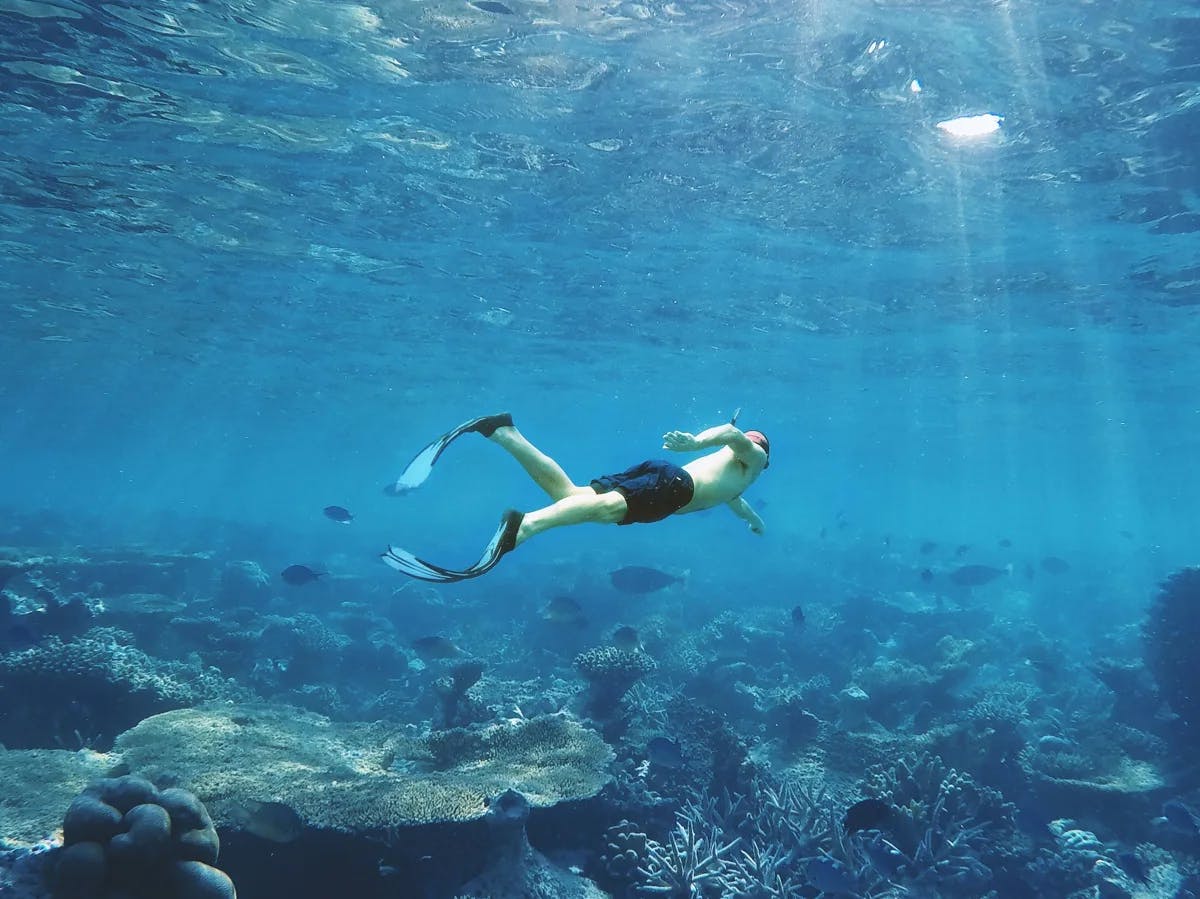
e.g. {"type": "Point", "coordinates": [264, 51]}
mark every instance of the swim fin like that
{"type": "Point", "coordinates": [421, 467]}
{"type": "Point", "coordinates": [502, 543]}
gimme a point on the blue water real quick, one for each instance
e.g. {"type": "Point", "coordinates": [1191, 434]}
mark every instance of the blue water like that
{"type": "Point", "coordinates": [254, 255]}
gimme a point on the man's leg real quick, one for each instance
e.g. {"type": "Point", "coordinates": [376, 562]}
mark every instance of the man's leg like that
{"type": "Point", "coordinates": [545, 471]}
{"type": "Point", "coordinates": [580, 508]}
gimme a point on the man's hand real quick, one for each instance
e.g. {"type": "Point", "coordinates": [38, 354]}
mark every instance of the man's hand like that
{"type": "Point", "coordinates": [680, 441]}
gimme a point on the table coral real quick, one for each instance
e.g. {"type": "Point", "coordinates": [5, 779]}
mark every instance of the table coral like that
{"type": "Point", "coordinates": [357, 777]}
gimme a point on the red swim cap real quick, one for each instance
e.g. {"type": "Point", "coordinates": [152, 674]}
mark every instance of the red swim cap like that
{"type": "Point", "coordinates": [759, 438]}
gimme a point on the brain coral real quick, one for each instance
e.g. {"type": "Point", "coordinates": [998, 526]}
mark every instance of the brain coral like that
{"type": "Point", "coordinates": [360, 777]}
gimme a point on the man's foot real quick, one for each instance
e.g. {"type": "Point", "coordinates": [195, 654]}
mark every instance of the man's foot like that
{"type": "Point", "coordinates": [488, 424]}
{"type": "Point", "coordinates": [511, 524]}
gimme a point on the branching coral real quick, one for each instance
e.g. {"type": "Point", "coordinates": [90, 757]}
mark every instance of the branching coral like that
{"type": "Point", "coordinates": [946, 826]}
{"type": "Point", "coordinates": [759, 870]}
{"type": "Point", "coordinates": [688, 863]}
{"type": "Point", "coordinates": [734, 845]}
{"type": "Point", "coordinates": [797, 814]}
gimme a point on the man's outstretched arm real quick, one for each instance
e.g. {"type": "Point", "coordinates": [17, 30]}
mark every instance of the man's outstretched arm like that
{"type": "Point", "coordinates": [722, 435]}
{"type": "Point", "coordinates": [742, 510]}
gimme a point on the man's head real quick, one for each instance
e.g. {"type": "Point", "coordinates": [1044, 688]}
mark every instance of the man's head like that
{"type": "Point", "coordinates": [760, 439]}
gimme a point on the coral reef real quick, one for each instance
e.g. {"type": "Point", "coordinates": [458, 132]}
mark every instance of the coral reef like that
{"type": "Point", "coordinates": [754, 844]}
{"type": "Point", "coordinates": [84, 691]}
{"type": "Point", "coordinates": [310, 649]}
{"type": "Point", "coordinates": [1080, 864]}
{"type": "Point", "coordinates": [355, 777]}
{"type": "Point", "coordinates": [457, 710]}
{"type": "Point", "coordinates": [948, 828]}
{"type": "Point", "coordinates": [38, 785]}
{"type": "Point", "coordinates": [739, 768]}
{"type": "Point", "coordinates": [514, 869]}
{"type": "Point", "coordinates": [242, 583]}
{"type": "Point", "coordinates": [689, 863]}
{"type": "Point", "coordinates": [1171, 633]}
{"type": "Point", "coordinates": [103, 573]}
{"type": "Point", "coordinates": [610, 672]}
{"type": "Point", "coordinates": [625, 853]}
{"type": "Point", "coordinates": [123, 837]}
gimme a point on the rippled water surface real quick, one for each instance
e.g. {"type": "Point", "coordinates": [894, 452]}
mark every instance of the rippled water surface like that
{"type": "Point", "coordinates": [254, 249]}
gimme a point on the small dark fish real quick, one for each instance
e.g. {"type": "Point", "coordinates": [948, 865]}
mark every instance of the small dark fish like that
{"type": "Point", "coordinates": [926, 575]}
{"type": "Point", "coordinates": [830, 876]}
{"type": "Point", "coordinates": [797, 616]}
{"type": "Point", "coordinates": [975, 575]}
{"type": "Point", "coordinates": [1028, 572]}
{"type": "Point", "coordinates": [492, 6]}
{"type": "Point", "coordinates": [664, 753]}
{"type": "Point", "coordinates": [824, 533]}
{"type": "Point", "coordinates": [338, 514]}
{"type": "Point", "coordinates": [299, 575]}
{"type": "Point", "coordinates": [1005, 543]}
{"type": "Point", "coordinates": [564, 610]}
{"type": "Point", "coordinates": [868, 814]}
{"type": "Point", "coordinates": [386, 870]}
{"type": "Point", "coordinates": [626, 638]}
{"type": "Point", "coordinates": [272, 821]}
{"type": "Point", "coordinates": [1055, 565]}
{"type": "Point", "coordinates": [887, 539]}
{"type": "Point", "coordinates": [1128, 535]}
{"type": "Point", "coordinates": [927, 547]}
{"type": "Point", "coordinates": [962, 549]}
{"type": "Point", "coordinates": [640, 579]}
{"type": "Point", "coordinates": [436, 647]}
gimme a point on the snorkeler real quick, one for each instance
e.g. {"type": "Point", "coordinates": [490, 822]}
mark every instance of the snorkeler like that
{"type": "Point", "coordinates": [650, 491]}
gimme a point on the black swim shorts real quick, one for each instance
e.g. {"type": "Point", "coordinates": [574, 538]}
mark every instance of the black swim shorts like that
{"type": "Point", "coordinates": [652, 490]}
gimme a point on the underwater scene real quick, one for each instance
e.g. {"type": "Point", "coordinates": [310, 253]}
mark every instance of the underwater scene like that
{"type": "Point", "coordinates": [389, 504]}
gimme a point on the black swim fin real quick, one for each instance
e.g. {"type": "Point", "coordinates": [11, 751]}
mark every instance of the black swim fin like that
{"type": "Point", "coordinates": [421, 467]}
{"type": "Point", "coordinates": [502, 543]}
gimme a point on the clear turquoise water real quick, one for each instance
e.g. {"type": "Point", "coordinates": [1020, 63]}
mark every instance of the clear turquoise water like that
{"type": "Point", "coordinates": [253, 255]}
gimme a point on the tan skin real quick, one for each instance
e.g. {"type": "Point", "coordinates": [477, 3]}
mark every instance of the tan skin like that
{"type": "Point", "coordinates": [720, 478]}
